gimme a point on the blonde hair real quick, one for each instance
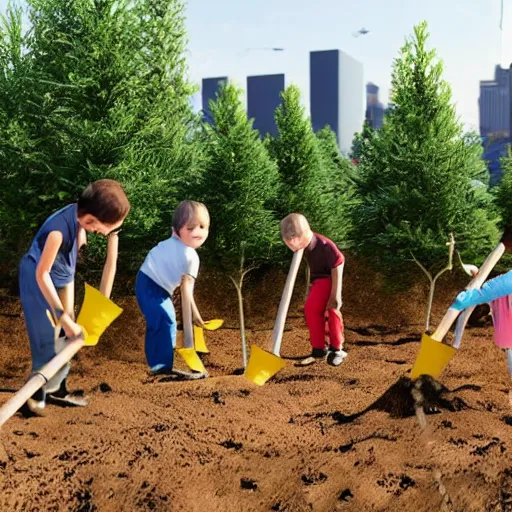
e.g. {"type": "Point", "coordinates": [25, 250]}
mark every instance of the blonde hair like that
{"type": "Point", "coordinates": [188, 212]}
{"type": "Point", "coordinates": [294, 225]}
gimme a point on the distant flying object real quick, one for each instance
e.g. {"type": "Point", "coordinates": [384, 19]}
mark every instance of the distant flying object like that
{"type": "Point", "coordinates": [361, 32]}
{"type": "Point", "coordinates": [273, 49]}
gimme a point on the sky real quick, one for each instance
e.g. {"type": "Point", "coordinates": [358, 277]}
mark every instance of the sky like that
{"type": "Point", "coordinates": [232, 37]}
{"type": "Point", "coordinates": [229, 37]}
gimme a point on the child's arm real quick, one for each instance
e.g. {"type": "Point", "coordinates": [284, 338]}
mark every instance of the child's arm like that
{"type": "Point", "coordinates": [335, 301]}
{"type": "Point", "coordinates": [44, 280]}
{"type": "Point", "coordinates": [492, 289]}
{"type": "Point", "coordinates": [110, 267]}
{"type": "Point", "coordinates": [67, 297]}
{"type": "Point", "coordinates": [187, 289]}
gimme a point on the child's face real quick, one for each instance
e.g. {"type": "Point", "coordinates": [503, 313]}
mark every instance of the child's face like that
{"type": "Point", "coordinates": [92, 225]}
{"type": "Point", "coordinates": [194, 234]}
{"type": "Point", "coordinates": [298, 242]}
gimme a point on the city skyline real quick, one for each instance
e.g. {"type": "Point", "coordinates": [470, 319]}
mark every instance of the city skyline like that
{"type": "Point", "coordinates": [227, 38]}
{"type": "Point", "coordinates": [236, 39]}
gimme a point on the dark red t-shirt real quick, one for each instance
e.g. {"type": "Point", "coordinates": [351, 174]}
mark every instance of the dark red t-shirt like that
{"type": "Point", "coordinates": [322, 256]}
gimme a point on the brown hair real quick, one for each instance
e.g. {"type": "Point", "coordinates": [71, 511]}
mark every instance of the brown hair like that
{"type": "Point", "coordinates": [188, 211]}
{"type": "Point", "coordinates": [293, 225]}
{"type": "Point", "coordinates": [106, 200]}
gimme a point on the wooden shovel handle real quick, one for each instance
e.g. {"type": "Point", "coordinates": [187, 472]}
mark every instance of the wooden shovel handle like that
{"type": "Point", "coordinates": [39, 379]}
{"type": "Point", "coordinates": [452, 314]}
{"type": "Point", "coordinates": [282, 312]}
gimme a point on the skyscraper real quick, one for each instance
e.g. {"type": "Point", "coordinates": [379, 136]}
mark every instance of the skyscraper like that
{"type": "Point", "coordinates": [374, 109]}
{"type": "Point", "coordinates": [494, 104]}
{"type": "Point", "coordinates": [337, 94]}
{"type": "Point", "coordinates": [263, 97]}
{"type": "Point", "coordinates": [210, 88]}
{"type": "Point", "coordinates": [495, 107]}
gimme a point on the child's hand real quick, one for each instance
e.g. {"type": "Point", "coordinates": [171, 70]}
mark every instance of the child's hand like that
{"type": "Point", "coordinates": [198, 321]}
{"type": "Point", "coordinates": [71, 328]}
{"type": "Point", "coordinates": [333, 303]}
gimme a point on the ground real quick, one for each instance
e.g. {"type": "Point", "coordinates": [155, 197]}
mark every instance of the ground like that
{"type": "Point", "coordinates": [225, 444]}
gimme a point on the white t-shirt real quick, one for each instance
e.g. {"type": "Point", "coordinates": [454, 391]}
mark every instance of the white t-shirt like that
{"type": "Point", "coordinates": [169, 261]}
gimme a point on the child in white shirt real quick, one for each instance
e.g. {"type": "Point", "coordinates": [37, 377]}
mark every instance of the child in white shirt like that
{"type": "Point", "coordinates": [173, 262]}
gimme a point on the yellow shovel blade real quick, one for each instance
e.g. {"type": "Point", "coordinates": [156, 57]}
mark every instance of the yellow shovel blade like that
{"type": "Point", "coordinates": [97, 313]}
{"type": "Point", "coordinates": [432, 358]}
{"type": "Point", "coordinates": [213, 325]}
{"type": "Point", "coordinates": [262, 365]}
{"type": "Point", "coordinates": [199, 342]}
{"type": "Point", "coordinates": [190, 357]}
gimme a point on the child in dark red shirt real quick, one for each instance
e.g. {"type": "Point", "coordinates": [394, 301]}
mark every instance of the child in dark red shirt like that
{"type": "Point", "coordinates": [326, 263]}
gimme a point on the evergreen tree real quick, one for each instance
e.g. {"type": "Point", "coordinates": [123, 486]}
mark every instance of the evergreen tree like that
{"type": "Point", "coordinates": [337, 189]}
{"type": "Point", "coordinates": [301, 168]}
{"type": "Point", "coordinates": [504, 189]}
{"type": "Point", "coordinates": [361, 140]}
{"type": "Point", "coordinates": [416, 178]}
{"type": "Point", "coordinates": [108, 99]}
{"type": "Point", "coordinates": [238, 186]}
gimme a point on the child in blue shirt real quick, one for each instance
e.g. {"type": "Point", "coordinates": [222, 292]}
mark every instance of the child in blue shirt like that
{"type": "Point", "coordinates": [47, 272]}
{"type": "Point", "coordinates": [173, 262]}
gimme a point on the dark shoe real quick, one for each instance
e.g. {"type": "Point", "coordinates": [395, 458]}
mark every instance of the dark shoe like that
{"type": "Point", "coordinates": [160, 370]}
{"type": "Point", "coordinates": [65, 398]}
{"type": "Point", "coordinates": [317, 354]}
{"type": "Point", "coordinates": [36, 403]}
{"type": "Point", "coordinates": [73, 399]}
{"type": "Point", "coordinates": [336, 357]}
{"type": "Point", "coordinates": [33, 408]}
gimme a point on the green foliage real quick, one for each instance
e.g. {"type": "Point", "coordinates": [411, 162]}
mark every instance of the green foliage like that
{"type": "Point", "coordinates": [417, 176]}
{"type": "Point", "coordinates": [238, 187]}
{"type": "Point", "coordinates": [301, 166]}
{"type": "Point", "coordinates": [337, 190]}
{"type": "Point", "coordinates": [361, 141]}
{"type": "Point", "coordinates": [504, 189]}
{"type": "Point", "coordinates": [105, 96]}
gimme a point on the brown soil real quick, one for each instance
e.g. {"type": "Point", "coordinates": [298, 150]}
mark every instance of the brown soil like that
{"type": "Point", "coordinates": [225, 444]}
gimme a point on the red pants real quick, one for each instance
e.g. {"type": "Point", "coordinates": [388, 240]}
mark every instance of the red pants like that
{"type": "Point", "coordinates": [315, 313]}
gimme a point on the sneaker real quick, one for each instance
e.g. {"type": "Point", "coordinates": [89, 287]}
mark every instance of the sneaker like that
{"type": "Point", "coordinates": [336, 357]}
{"type": "Point", "coordinates": [65, 398]}
{"type": "Point", "coordinates": [36, 407]}
{"type": "Point", "coordinates": [317, 354]}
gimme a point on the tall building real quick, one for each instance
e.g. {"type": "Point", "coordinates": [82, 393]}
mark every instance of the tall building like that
{"type": "Point", "coordinates": [494, 104]}
{"type": "Point", "coordinates": [374, 109]}
{"type": "Point", "coordinates": [495, 108]}
{"type": "Point", "coordinates": [263, 97]}
{"type": "Point", "coordinates": [210, 88]}
{"type": "Point", "coordinates": [337, 94]}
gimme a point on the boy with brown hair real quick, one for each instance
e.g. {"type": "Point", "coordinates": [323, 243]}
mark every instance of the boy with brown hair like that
{"type": "Point", "coordinates": [47, 272]}
{"type": "Point", "coordinates": [173, 262]}
{"type": "Point", "coordinates": [326, 263]}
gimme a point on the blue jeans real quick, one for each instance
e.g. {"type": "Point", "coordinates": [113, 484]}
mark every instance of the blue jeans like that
{"type": "Point", "coordinates": [41, 333]}
{"type": "Point", "coordinates": [158, 310]}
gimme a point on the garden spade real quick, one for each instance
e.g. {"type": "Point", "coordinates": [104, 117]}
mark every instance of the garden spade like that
{"type": "Point", "coordinates": [213, 325]}
{"type": "Point", "coordinates": [434, 355]}
{"type": "Point", "coordinates": [96, 314]}
{"type": "Point", "coordinates": [188, 352]}
{"type": "Point", "coordinates": [199, 341]}
{"type": "Point", "coordinates": [262, 365]}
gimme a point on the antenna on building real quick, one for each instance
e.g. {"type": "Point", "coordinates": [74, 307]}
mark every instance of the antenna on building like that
{"type": "Point", "coordinates": [501, 34]}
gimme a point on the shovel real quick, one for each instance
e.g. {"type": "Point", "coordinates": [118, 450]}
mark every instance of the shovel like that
{"type": "Point", "coordinates": [262, 364]}
{"type": "Point", "coordinates": [188, 352]}
{"type": "Point", "coordinates": [434, 356]}
{"type": "Point", "coordinates": [199, 341]}
{"type": "Point", "coordinates": [97, 313]}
